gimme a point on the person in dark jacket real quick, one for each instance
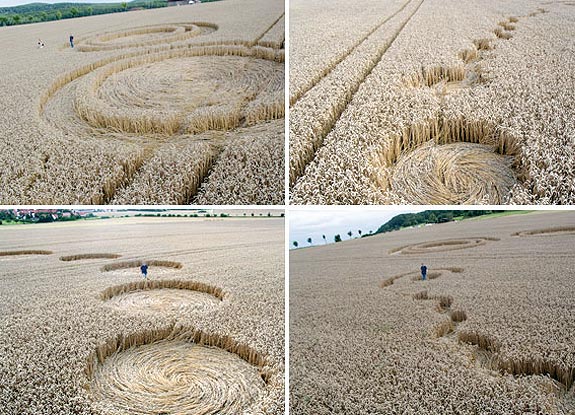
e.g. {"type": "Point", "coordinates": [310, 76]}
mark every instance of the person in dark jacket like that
{"type": "Point", "coordinates": [144, 269]}
{"type": "Point", "coordinates": [423, 272]}
{"type": "Point", "coordinates": [71, 41]}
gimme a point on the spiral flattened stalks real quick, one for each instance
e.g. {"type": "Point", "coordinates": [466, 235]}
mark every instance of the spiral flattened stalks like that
{"type": "Point", "coordinates": [162, 300]}
{"type": "Point", "coordinates": [145, 36]}
{"type": "Point", "coordinates": [457, 173]}
{"type": "Point", "coordinates": [167, 105]}
{"type": "Point", "coordinates": [163, 296]}
{"type": "Point", "coordinates": [175, 377]}
{"type": "Point", "coordinates": [182, 91]}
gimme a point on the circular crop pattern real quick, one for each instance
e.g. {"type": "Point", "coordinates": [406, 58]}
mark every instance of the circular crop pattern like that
{"type": "Point", "coordinates": [145, 36]}
{"type": "Point", "coordinates": [563, 230]}
{"type": "Point", "coordinates": [175, 377]}
{"type": "Point", "coordinates": [180, 92]}
{"type": "Point", "coordinates": [163, 295]}
{"type": "Point", "coordinates": [442, 245]}
{"type": "Point", "coordinates": [450, 161]}
{"type": "Point", "coordinates": [164, 299]}
{"type": "Point", "coordinates": [457, 173]}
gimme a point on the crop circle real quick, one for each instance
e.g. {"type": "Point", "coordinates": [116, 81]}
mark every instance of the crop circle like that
{"type": "Point", "coordinates": [563, 230]}
{"type": "Point", "coordinates": [180, 92]}
{"type": "Point", "coordinates": [144, 36]}
{"type": "Point", "coordinates": [442, 245]}
{"type": "Point", "coordinates": [163, 295]}
{"type": "Point", "coordinates": [456, 173]}
{"type": "Point", "coordinates": [175, 377]}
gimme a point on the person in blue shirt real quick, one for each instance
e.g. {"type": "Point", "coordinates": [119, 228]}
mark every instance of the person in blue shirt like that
{"type": "Point", "coordinates": [71, 41]}
{"type": "Point", "coordinates": [423, 272]}
{"type": "Point", "coordinates": [144, 269]}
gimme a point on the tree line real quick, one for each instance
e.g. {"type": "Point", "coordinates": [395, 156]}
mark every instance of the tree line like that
{"type": "Point", "coordinates": [406, 220]}
{"type": "Point", "coordinates": [40, 12]}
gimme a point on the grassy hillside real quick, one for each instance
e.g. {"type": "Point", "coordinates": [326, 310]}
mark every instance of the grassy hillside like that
{"type": "Point", "coordinates": [438, 216]}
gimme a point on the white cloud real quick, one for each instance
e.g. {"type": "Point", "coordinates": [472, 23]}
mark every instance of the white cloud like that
{"type": "Point", "coordinates": [314, 223]}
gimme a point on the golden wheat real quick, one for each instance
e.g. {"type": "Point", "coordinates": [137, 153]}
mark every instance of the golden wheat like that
{"type": "Point", "coordinates": [204, 336]}
{"type": "Point", "coordinates": [401, 77]}
{"type": "Point", "coordinates": [492, 337]}
{"type": "Point", "coordinates": [155, 85]}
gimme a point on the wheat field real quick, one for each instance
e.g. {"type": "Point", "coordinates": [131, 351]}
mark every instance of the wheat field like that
{"type": "Point", "coordinates": [179, 105]}
{"type": "Point", "coordinates": [81, 331]}
{"type": "Point", "coordinates": [431, 102]}
{"type": "Point", "coordinates": [490, 332]}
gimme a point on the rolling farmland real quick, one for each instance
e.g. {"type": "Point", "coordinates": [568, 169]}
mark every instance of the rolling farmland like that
{"type": "Point", "coordinates": [489, 332]}
{"type": "Point", "coordinates": [431, 102]}
{"type": "Point", "coordinates": [180, 105]}
{"type": "Point", "coordinates": [81, 331]}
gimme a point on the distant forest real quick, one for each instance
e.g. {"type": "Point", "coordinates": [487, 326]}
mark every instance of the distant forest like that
{"type": "Point", "coordinates": [430, 216]}
{"type": "Point", "coordinates": [42, 12]}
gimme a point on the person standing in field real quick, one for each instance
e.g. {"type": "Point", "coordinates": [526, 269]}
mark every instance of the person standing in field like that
{"type": "Point", "coordinates": [71, 41]}
{"type": "Point", "coordinates": [144, 269]}
{"type": "Point", "coordinates": [423, 272]}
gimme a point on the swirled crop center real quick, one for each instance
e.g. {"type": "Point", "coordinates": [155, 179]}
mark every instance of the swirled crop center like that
{"type": "Point", "coordinates": [175, 93]}
{"type": "Point", "coordinates": [177, 378]}
{"type": "Point", "coordinates": [163, 300]}
{"type": "Point", "coordinates": [461, 173]}
{"type": "Point", "coordinates": [186, 94]}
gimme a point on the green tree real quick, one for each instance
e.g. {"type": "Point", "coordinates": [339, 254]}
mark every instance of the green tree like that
{"type": "Point", "coordinates": [16, 19]}
{"type": "Point", "coordinates": [124, 5]}
{"type": "Point", "coordinates": [74, 12]}
{"type": "Point", "coordinates": [58, 15]}
{"type": "Point", "coordinates": [3, 20]}
{"type": "Point", "coordinates": [295, 243]}
{"type": "Point", "coordinates": [349, 234]}
{"type": "Point", "coordinates": [90, 10]}
{"type": "Point", "coordinates": [337, 238]}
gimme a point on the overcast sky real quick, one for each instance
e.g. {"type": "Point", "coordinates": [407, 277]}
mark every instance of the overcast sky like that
{"type": "Point", "coordinates": [9, 3]}
{"type": "Point", "coordinates": [314, 223]}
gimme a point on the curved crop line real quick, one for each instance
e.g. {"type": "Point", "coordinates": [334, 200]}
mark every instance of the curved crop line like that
{"type": "Point", "coordinates": [180, 31]}
{"type": "Point", "coordinates": [78, 257]}
{"type": "Point", "coordinates": [546, 231]}
{"type": "Point", "coordinates": [25, 252]}
{"type": "Point", "coordinates": [146, 285]}
{"type": "Point", "coordinates": [389, 281]}
{"type": "Point", "coordinates": [138, 262]}
{"type": "Point", "coordinates": [125, 341]}
{"type": "Point", "coordinates": [225, 48]}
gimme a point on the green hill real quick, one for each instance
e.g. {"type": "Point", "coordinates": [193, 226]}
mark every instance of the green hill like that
{"type": "Point", "coordinates": [437, 216]}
